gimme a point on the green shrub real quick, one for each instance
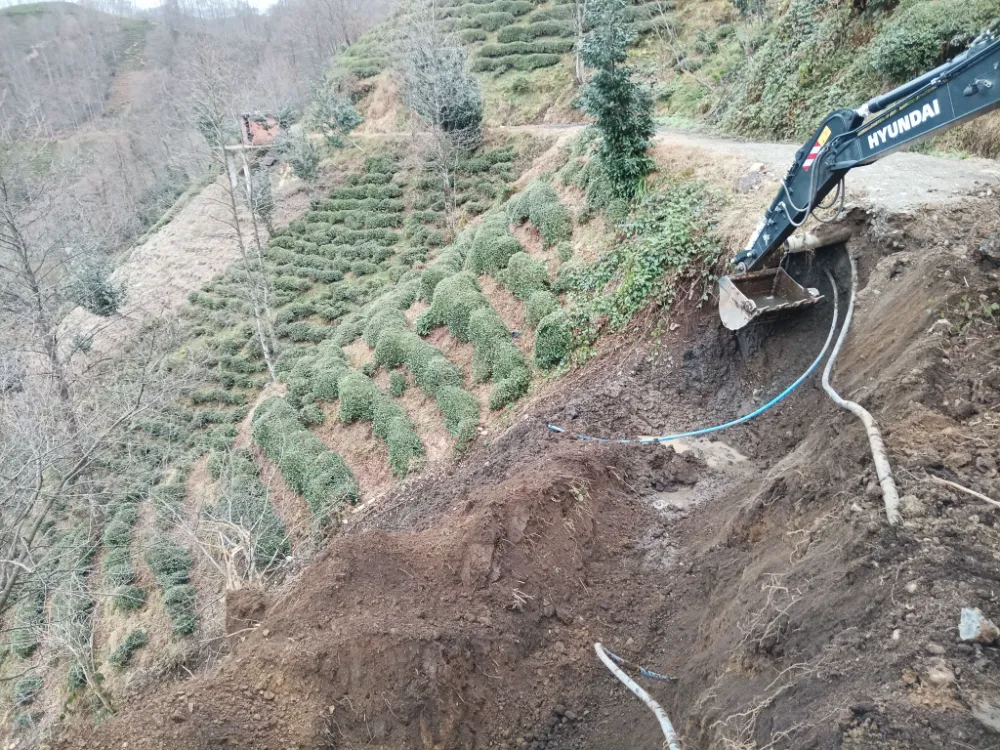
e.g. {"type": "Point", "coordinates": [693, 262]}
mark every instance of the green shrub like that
{"type": "Point", "coordinates": [397, 384]}
{"type": "Point", "coordinates": [468, 36]}
{"type": "Point", "coordinates": [357, 393]}
{"type": "Point", "coordinates": [122, 655]}
{"type": "Point", "coordinates": [301, 155]}
{"type": "Point", "coordinates": [383, 319]}
{"type": "Point", "coordinates": [391, 423]}
{"type": "Point", "coordinates": [515, 62]}
{"type": "Point", "coordinates": [564, 251]}
{"type": "Point", "coordinates": [363, 268]}
{"type": "Point", "coordinates": [558, 13]}
{"type": "Point", "coordinates": [320, 475]}
{"type": "Point", "coordinates": [220, 395]}
{"type": "Point", "coordinates": [367, 192]}
{"type": "Point", "coordinates": [540, 204]}
{"type": "Point", "coordinates": [461, 413]}
{"type": "Point", "coordinates": [553, 339]}
{"type": "Point", "coordinates": [455, 298]}
{"type": "Point", "coordinates": [670, 238]}
{"type": "Point", "coordinates": [118, 570]}
{"type": "Point", "coordinates": [476, 9]}
{"type": "Point", "coordinates": [169, 562]}
{"type": "Point", "coordinates": [539, 305]}
{"type": "Point", "coordinates": [534, 31]}
{"type": "Point", "coordinates": [25, 690]}
{"type": "Point", "coordinates": [129, 598]}
{"type": "Point", "coordinates": [546, 47]}
{"type": "Point", "coordinates": [384, 163]}
{"type": "Point", "coordinates": [300, 331]}
{"type": "Point", "coordinates": [497, 358]}
{"type": "Point", "coordinates": [348, 330]}
{"type": "Point", "coordinates": [76, 678]}
{"type": "Point", "coordinates": [486, 162]}
{"type": "Point", "coordinates": [921, 35]}
{"type": "Point", "coordinates": [621, 106]}
{"type": "Point", "coordinates": [493, 246]}
{"type": "Point", "coordinates": [524, 276]}
{"type": "Point", "coordinates": [117, 534]}
{"type": "Point", "coordinates": [553, 222]}
{"type": "Point", "coordinates": [311, 415]}
{"type": "Point", "coordinates": [494, 21]}
{"type": "Point", "coordinates": [448, 263]}
{"type": "Point", "coordinates": [179, 602]}
{"type": "Point", "coordinates": [360, 398]}
{"type": "Point", "coordinates": [244, 501]}
{"type": "Point", "coordinates": [28, 619]}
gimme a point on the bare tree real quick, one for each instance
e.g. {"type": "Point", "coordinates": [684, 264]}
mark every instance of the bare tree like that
{"type": "Point", "coordinates": [217, 89]}
{"type": "Point", "coordinates": [431, 66]}
{"type": "Point", "coordinates": [580, 29]}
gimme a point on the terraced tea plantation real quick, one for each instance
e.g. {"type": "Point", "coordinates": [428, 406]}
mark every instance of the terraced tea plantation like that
{"type": "Point", "coordinates": [392, 351]}
{"type": "Point", "coordinates": [503, 35]}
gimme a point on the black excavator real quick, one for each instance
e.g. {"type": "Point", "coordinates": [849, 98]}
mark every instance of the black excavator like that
{"type": "Point", "coordinates": [960, 90]}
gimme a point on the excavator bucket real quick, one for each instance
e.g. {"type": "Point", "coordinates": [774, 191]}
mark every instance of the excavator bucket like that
{"type": "Point", "coordinates": [744, 299]}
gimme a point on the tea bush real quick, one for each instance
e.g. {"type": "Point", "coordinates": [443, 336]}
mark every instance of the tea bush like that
{"type": "Point", "coordinates": [546, 47]}
{"type": "Point", "coordinates": [553, 339]}
{"type": "Point", "coordinates": [539, 305]}
{"type": "Point", "coordinates": [524, 276]}
{"type": "Point", "coordinates": [533, 31]}
{"type": "Point", "coordinates": [244, 501]}
{"type": "Point", "coordinates": [129, 598]}
{"type": "Point", "coordinates": [540, 204]}
{"type": "Point", "coordinates": [122, 655]}
{"type": "Point", "coordinates": [493, 245]}
{"type": "Point", "coordinates": [320, 475]}
{"type": "Point", "coordinates": [179, 602]}
{"type": "Point", "coordinates": [397, 384]}
{"type": "Point", "coordinates": [360, 398]}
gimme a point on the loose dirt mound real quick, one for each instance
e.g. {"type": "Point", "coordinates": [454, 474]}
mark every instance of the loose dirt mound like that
{"type": "Point", "coordinates": [460, 610]}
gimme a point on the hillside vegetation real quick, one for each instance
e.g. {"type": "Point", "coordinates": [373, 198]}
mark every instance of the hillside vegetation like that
{"type": "Point", "coordinates": [765, 70]}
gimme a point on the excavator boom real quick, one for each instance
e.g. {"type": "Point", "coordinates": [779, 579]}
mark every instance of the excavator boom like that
{"type": "Point", "coordinates": [962, 89]}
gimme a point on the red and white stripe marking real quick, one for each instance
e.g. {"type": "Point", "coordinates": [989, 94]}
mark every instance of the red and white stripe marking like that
{"type": "Point", "coordinates": [811, 159]}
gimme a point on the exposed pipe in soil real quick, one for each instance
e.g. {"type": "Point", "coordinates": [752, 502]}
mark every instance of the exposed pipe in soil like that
{"type": "Point", "coordinates": [890, 495]}
{"type": "Point", "coordinates": [705, 430]}
{"type": "Point", "coordinates": [668, 729]}
{"type": "Point", "coordinates": [966, 490]}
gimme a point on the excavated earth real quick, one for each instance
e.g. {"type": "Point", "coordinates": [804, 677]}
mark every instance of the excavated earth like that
{"type": "Point", "coordinates": [756, 568]}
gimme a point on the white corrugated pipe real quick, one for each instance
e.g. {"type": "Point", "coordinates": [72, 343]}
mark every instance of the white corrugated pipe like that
{"type": "Point", "coordinates": [668, 729]}
{"type": "Point", "coordinates": [890, 495]}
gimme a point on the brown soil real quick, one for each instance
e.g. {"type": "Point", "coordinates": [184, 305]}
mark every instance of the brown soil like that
{"type": "Point", "coordinates": [460, 609]}
{"type": "Point", "coordinates": [291, 508]}
{"type": "Point", "coordinates": [382, 110]}
{"type": "Point", "coordinates": [461, 353]}
{"type": "Point", "coordinates": [414, 311]}
{"type": "Point", "coordinates": [367, 456]}
{"type": "Point", "coordinates": [426, 416]}
{"type": "Point", "coordinates": [511, 311]}
{"type": "Point", "coordinates": [358, 353]}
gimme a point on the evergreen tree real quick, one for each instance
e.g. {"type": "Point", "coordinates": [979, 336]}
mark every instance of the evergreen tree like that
{"type": "Point", "coordinates": [623, 107]}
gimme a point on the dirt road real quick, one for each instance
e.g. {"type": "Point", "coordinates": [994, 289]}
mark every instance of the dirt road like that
{"type": "Point", "coordinates": [900, 183]}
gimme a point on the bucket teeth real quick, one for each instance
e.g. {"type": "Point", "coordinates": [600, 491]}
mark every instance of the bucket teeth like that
{"type": "Point", "coordinates": [744, 299]}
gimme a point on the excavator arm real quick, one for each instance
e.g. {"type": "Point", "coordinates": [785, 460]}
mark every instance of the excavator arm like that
{"type": "Point", "coordinates": [962, 89]}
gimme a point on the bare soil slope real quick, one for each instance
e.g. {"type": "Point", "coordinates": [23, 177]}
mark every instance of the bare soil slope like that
{"type": "Point", "coordinates": [460, 610]}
